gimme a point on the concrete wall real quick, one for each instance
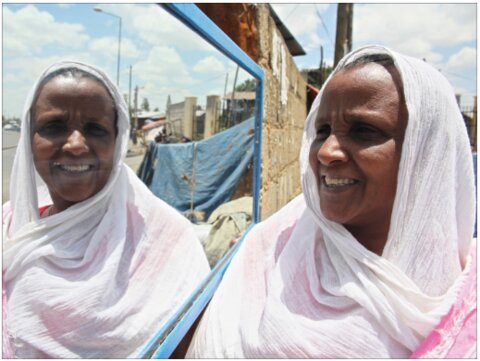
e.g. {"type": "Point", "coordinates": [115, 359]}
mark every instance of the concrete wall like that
{"type": "Point", "coordinates": [211, 116]}
{"type": "Point", "coordinates": [189, 126]}
{"type": "Point", "coordinates": [284, 113]}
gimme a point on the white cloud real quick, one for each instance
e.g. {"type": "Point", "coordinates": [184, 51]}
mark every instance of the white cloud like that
{"type": "Point", "coordinates": [19, 78]}
{"type": "Point", "coordinates": [109, 46]}
{"type": "Point", "coordinates": [155, 26]}
{"type": "Point", "coordinates": [401, 26]}
{"type": "Point", "coordinates": [28, 30]}
{"type": "Point", "coordinates": [302, 20]}
{"type": "Point", "coordinates": [465, 58]}
{"type": "Point", "coordinates": [210, 64]}
{"type": "Point", "coordinates": [163, 72]}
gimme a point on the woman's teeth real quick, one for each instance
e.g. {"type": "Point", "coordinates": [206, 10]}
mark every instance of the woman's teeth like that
{"type": "Point", "coordinates": [337, 182]}
{"type": "Point", "coordinates": [73, 168]}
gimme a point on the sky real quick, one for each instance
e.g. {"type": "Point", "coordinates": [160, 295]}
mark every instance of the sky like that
{"type": "Point", "coordinates": [169, 59]}
{"type": "Point", "coordinates": [445, 35]}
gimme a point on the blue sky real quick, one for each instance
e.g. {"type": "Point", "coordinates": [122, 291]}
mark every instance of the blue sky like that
{"type": "Point", "coordinates": [445, 35]}
{"type": "Point", "coordinates": [168, 59]}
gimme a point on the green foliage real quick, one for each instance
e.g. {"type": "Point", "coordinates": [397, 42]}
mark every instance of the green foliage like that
{"type": "Point", "coordinates": [247, 86]}
{"type": "Point", "coordinates": [145, 105]}
{"type": "Point", "coordinates": [316, 77]}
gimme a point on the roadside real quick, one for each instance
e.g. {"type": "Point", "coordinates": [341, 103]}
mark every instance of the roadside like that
{"type": "Point", "coordinates": [134, 155]}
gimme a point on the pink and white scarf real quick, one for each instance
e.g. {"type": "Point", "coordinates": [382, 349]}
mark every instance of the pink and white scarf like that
{"type": "Point", "coordinates": [98, 279]}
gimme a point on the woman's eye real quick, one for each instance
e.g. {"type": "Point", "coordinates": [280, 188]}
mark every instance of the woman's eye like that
{"type": "Point", "coordinates": [95, 129]}
{"type": "Point", "coordinates": [365, 131]}
{"type": "Point", "coordinates": [55, 127]}
{"type": "Point", "coordinates": [323, 132]}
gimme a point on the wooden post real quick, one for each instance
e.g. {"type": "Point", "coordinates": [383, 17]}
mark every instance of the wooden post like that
{"type": "Point", "coordinates": [343, 38]}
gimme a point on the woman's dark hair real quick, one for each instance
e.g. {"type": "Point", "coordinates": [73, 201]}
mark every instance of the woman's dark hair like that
{"type": "Point", "coordinates": [75, 73]}
{"type": "Point", "coordinates": [382, 59]}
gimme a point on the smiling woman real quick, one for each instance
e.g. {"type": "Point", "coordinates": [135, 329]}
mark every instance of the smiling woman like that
{"type": "Point", "coordinates": [355, 156]}
{"type": "Point", "coordinates": [93, 262]}
{"type": "Point", "coordinates": [73, 137]}
{"type": "Point", "coordinates": [376, 258]}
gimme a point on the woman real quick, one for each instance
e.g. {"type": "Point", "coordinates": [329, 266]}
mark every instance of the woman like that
{"type": "Point", "coordinates": [375, 259]}
{"type": "Point", "coordinates": [93, 262]}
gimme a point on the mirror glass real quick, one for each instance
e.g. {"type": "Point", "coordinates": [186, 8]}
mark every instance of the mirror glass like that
{"type": "Point", "coordinates": [192, 108]}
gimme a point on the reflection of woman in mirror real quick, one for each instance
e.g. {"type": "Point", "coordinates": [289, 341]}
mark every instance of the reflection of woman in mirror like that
{"type": "Point", "coordinates": [93, 262]}
{"type": "Point", "coordinates": [376, 258]}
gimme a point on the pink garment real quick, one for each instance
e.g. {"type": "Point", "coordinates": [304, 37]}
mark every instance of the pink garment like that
{"type": "Point", "coordinates": [251, 324]}
{"type": "Point", "coordinates": [456, 334]}
{"type": "Point", "coordinates": [99, 278]}
{"type": "Point", "coordinates": [7, 351]}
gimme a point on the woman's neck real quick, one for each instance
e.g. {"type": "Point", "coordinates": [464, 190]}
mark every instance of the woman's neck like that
{"type": "Point", "coordinates": [373, 236]}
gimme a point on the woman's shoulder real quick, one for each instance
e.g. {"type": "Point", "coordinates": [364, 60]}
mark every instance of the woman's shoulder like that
{"type": "Point", "coordinates": [267, 238]}
{"type": "Point", "coordinates": [285, 216]}
{"type": "Point", "coordinates": [455, 336]}
{"type": "Point", "coordinates": [6, 212]}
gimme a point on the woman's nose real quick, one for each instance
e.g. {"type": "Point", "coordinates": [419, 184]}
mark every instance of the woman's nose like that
{"type": "Point", "coordinates": [332, 151]}
{"type": "Point", "coordinates": [76, 143]}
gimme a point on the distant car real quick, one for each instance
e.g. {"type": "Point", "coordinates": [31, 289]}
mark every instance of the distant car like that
{"type": "Point", "coordinates": [11, 127]}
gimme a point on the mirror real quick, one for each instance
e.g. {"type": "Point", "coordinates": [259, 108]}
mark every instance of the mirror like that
{"type": "Point", "coordinates": [195, 103]}
{"type": "Point", "coordinates": [192, 107]}
{"type": "Point", "coordinates": [166, 340]}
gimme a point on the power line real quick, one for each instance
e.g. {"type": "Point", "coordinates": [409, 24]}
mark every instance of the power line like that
{"type": "Point", "coordinates": [324, 26]}
{"type": "Point", "coordinates": [291, 12]}
{"type": "Point", "coordinates": [458, 76]}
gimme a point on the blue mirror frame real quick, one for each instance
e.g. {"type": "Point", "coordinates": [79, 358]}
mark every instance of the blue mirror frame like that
{"type": "Point", "coordinates": [165, 341]}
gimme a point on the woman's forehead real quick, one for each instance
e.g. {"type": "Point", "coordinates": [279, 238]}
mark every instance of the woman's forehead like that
{"type": "Point", "coordinates": [368, 88]}
{"type": "Point", "coordinates": [60, 89]}
{"type": "Point", "coordinates": [367, 81]}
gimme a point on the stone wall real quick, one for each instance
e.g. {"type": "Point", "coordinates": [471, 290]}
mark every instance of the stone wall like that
{"type": "Point", "coordinates": [284, 113]}
{"type": "Point", "coordinates": [285, 99]}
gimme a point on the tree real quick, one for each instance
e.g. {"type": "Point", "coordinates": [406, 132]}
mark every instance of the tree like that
{"type": "Point", "coordinates": [145, 105]}
{"type": "Point", "coordinates": [316, 77]}
{"type": "Point", "coordinates": [247, 86]}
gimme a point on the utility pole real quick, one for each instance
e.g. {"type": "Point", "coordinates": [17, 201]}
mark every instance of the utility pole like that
{"type": "Point", "coordinates": [136, 106]}
{"type": "Point", "coordinates": [224, 110]}
{"type": "Point", "coordinates": [130, 94]}
{"type": "Point", "coordinates": [343, 38]}
{"type": "Point", "coordinates": [231, 120]}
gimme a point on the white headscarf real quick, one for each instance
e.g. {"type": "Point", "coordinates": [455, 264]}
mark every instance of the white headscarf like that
{"type": "Point", "coordinates": [303, 286]}
{"type": "Point", "coordinates": [99, 278]}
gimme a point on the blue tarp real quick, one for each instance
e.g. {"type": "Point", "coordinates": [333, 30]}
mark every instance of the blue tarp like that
{"type": "Point", "coordinates": [206, 171]}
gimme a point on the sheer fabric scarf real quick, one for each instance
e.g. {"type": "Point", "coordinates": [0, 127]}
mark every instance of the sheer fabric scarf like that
{"type": "Point", "coordinates": [302, 286]}
{"type": "Point", "coordinates": [98, 279]}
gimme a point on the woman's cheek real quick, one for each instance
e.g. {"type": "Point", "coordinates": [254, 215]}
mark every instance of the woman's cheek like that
{"type": "Point", "coordinates": [312, 157]}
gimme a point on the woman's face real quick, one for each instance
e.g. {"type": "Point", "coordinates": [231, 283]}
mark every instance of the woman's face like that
{"type": "Point", "coordinates": [360, 129]}
{"type": "Point", "coordinates": [73, 138]}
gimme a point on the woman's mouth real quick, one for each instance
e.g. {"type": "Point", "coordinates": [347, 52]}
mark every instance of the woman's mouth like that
{"type": "Point", "coordinates": [331, 182]}
{"type": "Point", "coordinates": [73, 168]}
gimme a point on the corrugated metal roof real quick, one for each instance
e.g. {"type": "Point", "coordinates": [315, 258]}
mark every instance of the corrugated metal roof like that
{"type": "Point", "coordinates": [292, 44]}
